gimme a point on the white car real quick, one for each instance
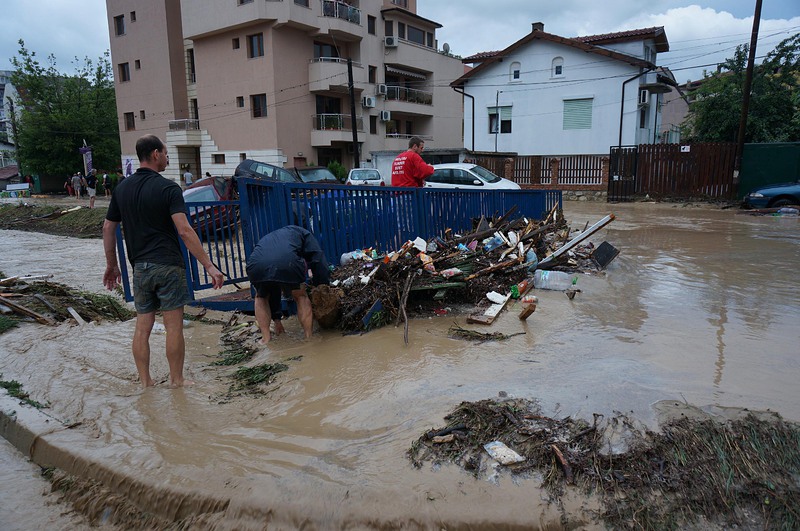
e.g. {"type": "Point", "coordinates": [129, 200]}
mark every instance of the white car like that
{"type": "Point", "coordinates": [467, 176]}
{"type": "Point", "coordinates": [365, 177]}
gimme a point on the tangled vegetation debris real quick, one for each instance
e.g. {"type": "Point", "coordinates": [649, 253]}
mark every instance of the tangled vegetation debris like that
{"type": "Point", "coordinates": [459, 332]}
{"type": "Point", "coordinates": [693, 469]}
{"type": "Point", "coordinates": [78, 222]}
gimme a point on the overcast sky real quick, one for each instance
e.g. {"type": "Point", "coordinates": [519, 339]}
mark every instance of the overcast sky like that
{"type": "Point", "coordinates": [700, 33]}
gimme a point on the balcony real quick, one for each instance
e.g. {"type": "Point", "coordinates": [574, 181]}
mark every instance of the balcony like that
{"type": "Point", "coordinates": [330, 128]}
{"type": "Point", "coordinates": [329, 74]}
{"type": "Point", "coordinates": [184, 133]}
{"type": "Point", "coordinates": [408, 101]}
{"type": "Point", "coordinates": [340, 21]}
{"type": "Point", "coordinates": [202, 18]}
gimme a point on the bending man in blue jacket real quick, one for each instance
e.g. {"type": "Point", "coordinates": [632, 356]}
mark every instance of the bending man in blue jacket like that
{"type": "Point", "coordinates": [279, 264]}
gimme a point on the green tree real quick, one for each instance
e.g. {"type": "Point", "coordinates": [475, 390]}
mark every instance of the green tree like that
{"type": "Point", "coordinates": [58, 112]}
{"type": "Point", "coordinates": [774, 112]}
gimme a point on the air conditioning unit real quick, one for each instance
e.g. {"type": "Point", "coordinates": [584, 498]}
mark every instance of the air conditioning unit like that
{"type": "Point", "coordinates": [386, 116]}
{"type": "Point", "coordinates": [390, 42]}
{"type": "Point", "coordinates": [644, 97]}
{"type": "Point", "coordinates": [382, 89]}
{"type": "Point", "coordinates": [368, 101]}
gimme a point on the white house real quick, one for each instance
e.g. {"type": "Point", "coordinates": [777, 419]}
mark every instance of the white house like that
{"type": "Point", "coordinates": [551, 95]}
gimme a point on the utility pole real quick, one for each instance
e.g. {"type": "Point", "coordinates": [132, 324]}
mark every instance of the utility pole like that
{"type": "Point", "coordinates": [351, 88]}
{"type": "Point", "coordinates": [748, 82]}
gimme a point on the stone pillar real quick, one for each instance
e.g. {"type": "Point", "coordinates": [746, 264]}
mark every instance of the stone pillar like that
{"type": "Point", "coordinates": [554, 165]}
{"type": "Point", "coordinates": [508, 169]}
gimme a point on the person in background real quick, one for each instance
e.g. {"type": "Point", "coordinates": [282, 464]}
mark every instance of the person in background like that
{"type": "Point", "coordinates": [208, 174]}
{"type": "Point", "coordinates": [76, 184]}
{"type": "Point", "coordinates": [91, 187]}
{"type": "Point", "coordinates": [187, 177]}
{"type": "Point", "coordinates": [68, 185]}
{"type": "Point", "coordinates": [278, 264]}
{"type": "Point", "coordinates": [408, 169]}
{"type": "Point", "coordinates": [106, 184]}
{"type": "Point", "coordinates": [153, 213]}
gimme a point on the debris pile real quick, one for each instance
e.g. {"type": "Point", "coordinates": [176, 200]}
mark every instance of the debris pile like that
{"type": "Point", "coordinates": [371, 290]}
{"type": "Point", "coordinates": [35, 298]}
{"type": "Point", "coordinates": [694, 470]}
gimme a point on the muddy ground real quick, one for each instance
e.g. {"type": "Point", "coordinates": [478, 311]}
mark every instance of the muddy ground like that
{"type": "Point", "coordinates": [700, 308]}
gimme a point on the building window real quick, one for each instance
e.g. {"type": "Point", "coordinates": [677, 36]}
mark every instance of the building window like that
{"type": "Point", "coordinates": [430, 40]}
{"type": "Point", "coordinates": [218, 158]}
{"type": "Point", "coordinates": [373, 125]}
{"type": "Point", "coordinates": [124, 72]}
{"type": "Point", "coordinates": [578, 113]}
{"type": "Point", "coordinates": [505, 119]}
{"type": "Point", "coordinates": [235, 43]}
{"type": "Point", "coordinates": [242, 157]}
{"type": "Point", "coordinates": [515, 71]}
{"type": "Point", "coordinates": [119, 25]}
{"type": "Point", "coordinates": [133, 16]}
{"type": "Point", "coordinates": [401, 3]}
{"type": "Point", "coordinates": [255, 45]}
{"type": "Point", "coordinates": [401, 30]}
{"type": "Point", "coordinates": [558, 67]}
{"type": "Point", "coordinates": [371, 24]}
{"type": "Point", "coordinates": [194, 110]}
{"type": "Point", "coordinates": [388, 28]}
{"type": "Point", "coordinates": [141, 115]}
{"type": "Point", "coordinates": [303, 3]}
{"type": "Point", "coordinates": [258, 105]}
{"type": "Point", "coordinates": [130, 122]}
{"type": "Point", "coordinates": [137, 64]}
{"type": "Point", "coordinates": [416, 35]}
{"type": "Point", "coordinates": [240, 101]}
{"type": "Point", "coordinates": [322, 49]}
{"type": "Point", "coordinates": [243, 2]}
{"type": "Point", "coordinates": [643, 114]}
{"type": "Point", "coordinates": [190, 58]}
{"type": "Point", "coordinates": [373, 74]}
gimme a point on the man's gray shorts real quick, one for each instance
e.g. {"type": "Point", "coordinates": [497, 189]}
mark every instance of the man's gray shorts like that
{"type": "Point", "coordinates": [159, 287]}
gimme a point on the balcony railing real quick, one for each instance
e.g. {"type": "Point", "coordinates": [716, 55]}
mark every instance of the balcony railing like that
{"type": "Point", "coordinates": [336, 122]}
{"type": "Point", "coordinates": [337, 9]}
{"type": "Point", "coordinates": [408, 137]}
{"type": "Point", "coordinates": [397, 93]}
{"type": "Point", "coordinates": [334, 60]}
{"type": "Point", "coordinates": [184, 125]}
{"type": "Point", "coordinates": [401, 3]}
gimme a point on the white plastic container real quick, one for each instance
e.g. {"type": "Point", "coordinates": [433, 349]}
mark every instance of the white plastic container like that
{"type": "Point", "coordinates": [555, 280]}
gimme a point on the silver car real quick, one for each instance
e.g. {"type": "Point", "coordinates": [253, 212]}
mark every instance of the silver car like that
{"type": "Point", "coordinates": [467, 176]}
{"type": "Point", "coordinates": [365, 177]}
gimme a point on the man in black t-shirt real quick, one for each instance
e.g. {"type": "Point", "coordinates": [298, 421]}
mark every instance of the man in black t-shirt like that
{"type": "Point", "coordinates": [153, 214]}
{"type": "Point", "coordinates": [91, 186]}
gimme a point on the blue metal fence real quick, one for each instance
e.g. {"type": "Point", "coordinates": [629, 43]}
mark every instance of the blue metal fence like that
{"type": "Point", "coordinates": [342, 218]}
{"type": "Point", "coordinates": [345, 218]}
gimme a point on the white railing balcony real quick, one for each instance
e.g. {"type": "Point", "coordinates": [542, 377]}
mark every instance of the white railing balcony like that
{"type": "Point", "coordinates": [336, 122]}
{"type": "Point", "coordinates": [338, 9]}
{"type": "Point", "coordinates": [397, 93]}
{"type": "Point", "coordinates": [184, 125]}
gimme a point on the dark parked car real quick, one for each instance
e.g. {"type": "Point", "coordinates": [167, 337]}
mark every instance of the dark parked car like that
{"type": "Point", "coordinates": [208, 220]}
{"type": "Point", "coordinates": [773, 196]}
{"type": "Point", "coordinates": [316, 175]}
{"type": "Point", "coordinates": [262, 170]}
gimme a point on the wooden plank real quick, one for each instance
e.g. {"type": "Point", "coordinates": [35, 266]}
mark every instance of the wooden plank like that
{"type": "Point", "coordinates": [25, 311]}
{"type": "Point", "coordinates": [490, 314]}
{"type": "Point", "coordinates": [578, 239]}
{"type": "Point", "coordinates": [75, 315]}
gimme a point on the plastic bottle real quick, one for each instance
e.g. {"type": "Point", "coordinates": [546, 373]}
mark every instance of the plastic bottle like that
{"type": "Point", "coordinates": [556, 280]}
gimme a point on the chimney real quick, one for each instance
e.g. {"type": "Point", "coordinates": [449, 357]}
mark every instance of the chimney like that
{"type": "Point", "coordinates": [538, 26]}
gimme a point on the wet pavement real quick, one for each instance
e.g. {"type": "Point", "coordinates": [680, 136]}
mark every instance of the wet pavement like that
{"type": "Point", "coordinates": [699, 307]}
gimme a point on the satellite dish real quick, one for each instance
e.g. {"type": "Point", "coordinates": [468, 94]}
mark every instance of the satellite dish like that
{"type": "Point", "coordinates": [446, 48]}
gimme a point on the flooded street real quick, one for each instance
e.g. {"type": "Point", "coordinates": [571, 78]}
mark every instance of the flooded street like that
{"type": "Point", "coordinates": [700, 307]}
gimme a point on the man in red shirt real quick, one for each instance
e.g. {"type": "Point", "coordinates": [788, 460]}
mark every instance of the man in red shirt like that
{"type": "Point", "coordinates": [408, 169]}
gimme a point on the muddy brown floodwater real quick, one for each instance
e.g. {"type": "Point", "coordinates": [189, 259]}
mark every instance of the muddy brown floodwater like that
{"type": "Point", "coordinates": [701, 307]}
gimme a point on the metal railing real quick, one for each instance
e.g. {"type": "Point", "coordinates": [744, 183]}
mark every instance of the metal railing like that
{"type": "Point", "coordinates": [337, 9]}
{"type": "Point", "coordinates": [335, 60]}
{"type": "Point", "coordinates": [398, 93]}
{"type": "Point", "coordinates": [336, 122]}
{"type": "Point", "coordinates": [184, 125]}
{"type": "Point", "coordinates": [406, 137]}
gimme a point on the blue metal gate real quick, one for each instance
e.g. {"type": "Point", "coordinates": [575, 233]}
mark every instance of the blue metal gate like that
{"type": "Point", "coordinates": [342, 218]}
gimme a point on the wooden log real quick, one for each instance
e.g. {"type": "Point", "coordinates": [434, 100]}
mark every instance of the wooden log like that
{"type": "Point", "coordinates": [492, 269]}
{"type": "Point", "coordinates": [25, 278]}
{"type": "Point", "coordinates": [527, 311]}
{"type": "Point", "coordinates": [564, 464]}
{"type": "Point", "coordinates": [25, 311]}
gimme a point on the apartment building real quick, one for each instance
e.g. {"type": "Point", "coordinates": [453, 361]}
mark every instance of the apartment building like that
{"type": "Point", "coordinates": [225, 80]}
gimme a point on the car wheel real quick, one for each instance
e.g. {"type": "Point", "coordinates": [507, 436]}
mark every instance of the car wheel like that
{"type": "Point", "coordinates": [782, 202]}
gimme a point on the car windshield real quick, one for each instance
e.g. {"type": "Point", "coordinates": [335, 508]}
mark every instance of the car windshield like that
{"type": "Point", "coordinates": [364, 175]}
{"type": "Point", "coordinates": [485, 174]}
{"type": "Point", "coordinates": [316, 175]}
{"type": "Point", "coordinates": [198, 195]}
